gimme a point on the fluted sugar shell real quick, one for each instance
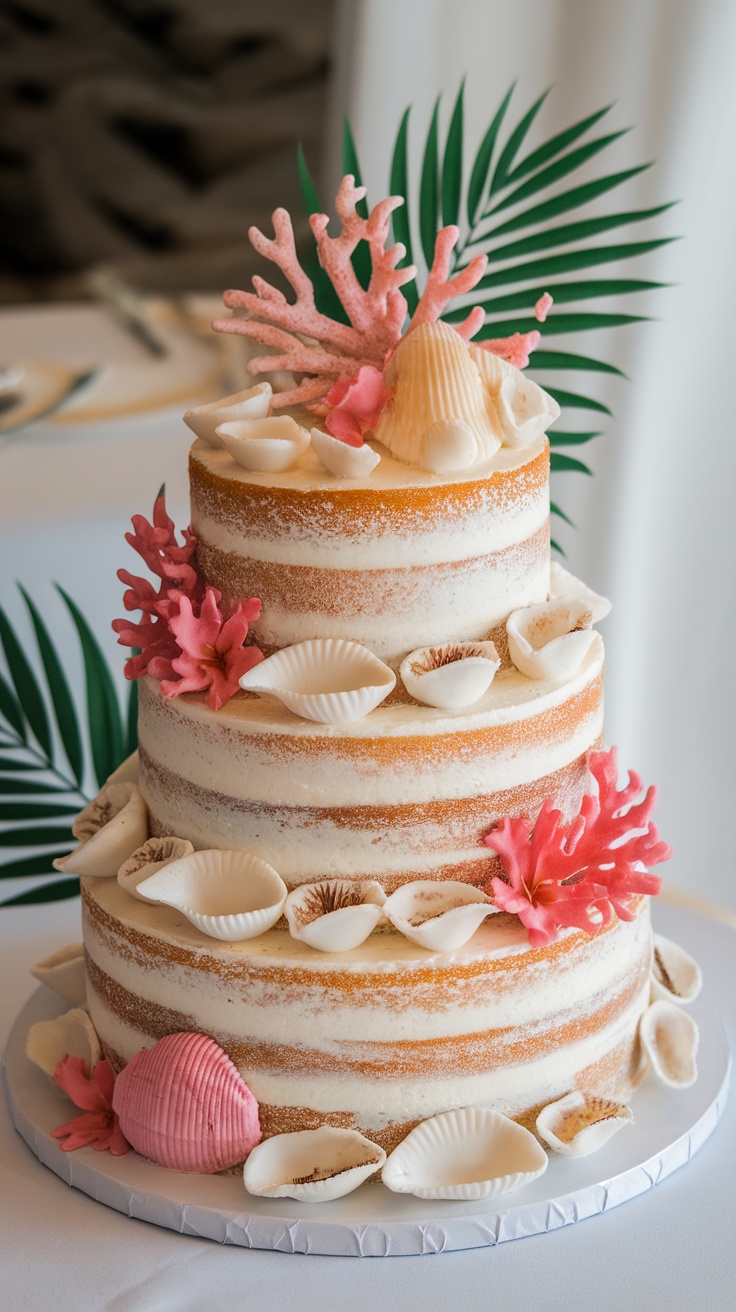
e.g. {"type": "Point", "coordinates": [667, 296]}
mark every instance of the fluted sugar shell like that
{"type": "Point", "coordinates": [72, 1035]}
{"type": "Point", "coordinates": [436, 382]}
{"type": "Point", "coordinates": [565, 586]}
{"type": "Point", "coordinates": [580, 1123]}
{"type": "Point", "coordinates": [550, 640]}
{"type": "Point", "coordinates": [253, 403]}
{"type": "Point", "coordinates": [64, 972]}
{"type": "Point", "coordinates": [110, 828]}
{"type": "Point", "coordinates": [525, 411]}
{"type": "Point", "coordinates": [470, 1153]}
{"type": "Point", "coordinates": [676, 976]}
{"type": "Point", "coordinates": [334, 915]}
{"type": "Point", "coordinates": [450, 676]}
{"type": "Point", "coordinates": [330, 680]}
{"type": "Point", "coordinates": [670, 1039]}
{"type": "Point", "coordinates": [440, 915]}
{"type": "Point", "coordinates": [269, 445]}
{"type": "Point", "coordinates": [227, 895]}
{"type": "Point", "coordinates": [343, 460]}
{"type": "Point", "coordinates": [312, 1165]}
{"type": "Point", "coordinates": [183, 1105]}
{"type": "Point", "coordinates": [146, 860]}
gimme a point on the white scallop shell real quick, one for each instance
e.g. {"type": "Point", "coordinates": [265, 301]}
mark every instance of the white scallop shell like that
{"type": "Point", "coordinates": [270, 445]}
{"type": "Point", "coordinates": [72, 1035]}
{"type": "Point", "coordinates": [253, 403]}
{"type": "Point", "coordinates": [312, 1165]}
{"type": "Point", "coordinates": [550, 640]}
{"type": "Point", "coordinates": [564, 585]}
{"type": "Point", "coordinates": [334, 915]}
{"type": "Point", "coordinates": [580, 1123]}
{"type": "Point", "coordinates": [63, 972]}
{"type": "Point", "coordinates": [330, 680]}
{"type": "Point", "coordinates": [227, 895]}
{"type": "Point", "coordinates": [146, 860]}
{"type": "Point", "coordinates": [670, 1039]}
{"type": "Point", "coordinates": [449, 444]}
{"type": "Point", "coordinates": [440, 915]}
{"type": "Point", "coordinates": [110, 827]}
{"type": "Point", "coordinates": [127, 772]}
{"type": "Point", "coordinates": [525, 411]}
{"type": "Point", "coordinates": [450, 676]}
{"type": "Point", "coordinates": [676, 976]}
{"type": "Point", "coordinates": [470, 1153]}
{"type": "Point", "coordinates": [341, 459]}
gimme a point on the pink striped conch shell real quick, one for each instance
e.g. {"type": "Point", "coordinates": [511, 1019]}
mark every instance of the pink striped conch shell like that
{"type": "Point", "coordinates": [670, 1039]}
{"type": "Point", "coordinates": [270, 445]}
{"type": "Point", "coordinates": [146, 860]}
{"type": "Point", "coordinates": [312, 1165]}
{"type": "Point", "coordinates": [439, 416]}
{"type": "Point", "coordinates": [440, 915]}
{"type": "Point", "coordinates": [450, 676]}
{"type": "Point", "coordinates": [470, 1153]}
{"type": "Point", "coordinates": [342, 459]}
{"type": "Point", "coordinates": [676, 976]}
{"type": "Point", "coordinates": [253, 403]}
{"type": "Point", "coordinates": [63, 972]}
{"type": "Point", "coordinates": [580, 1123]}
{"type": "Point", "coordinates": [525, 411]}
{"type": "Point", "coordinates": [563, 586]}
{"type": "Point", "coordinates": [550, 640]}
{"type": "Point", "coordinates": [72, 1035]}
{"type": "Point", "coordinates": [183, 1105]}
{"type": "Point", "coordinates": [334, 915]}
{"type": "Point", "coordinates": [110, 828]}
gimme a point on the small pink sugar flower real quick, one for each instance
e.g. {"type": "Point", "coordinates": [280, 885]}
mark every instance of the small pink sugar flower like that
{"type": "Point", "coordinates": [356, 404]}
{"type": "Point", "coordinates": [98, 1125]}
{"type": "Point", "coordinates": [212, 653]}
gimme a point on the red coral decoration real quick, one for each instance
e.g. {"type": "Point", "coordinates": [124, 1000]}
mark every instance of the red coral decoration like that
{"type": "Point", "coordinates": [580, 874]}
{"type": "Point", "coordinates": [99, 1125]}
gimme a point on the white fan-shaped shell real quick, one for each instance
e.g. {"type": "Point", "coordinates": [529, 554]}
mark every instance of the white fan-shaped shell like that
{"type": "Point", "coordinates": [127, 772]}
{"type": "Point", "coordinates": [670, 1039]}
{"type": "Point", "coordinates": [312, 1165]}
{"type": "Point", "coordinates": [550, 640]}
{"type": "Point", "coordinates": [466, 1154]}
{"type": "Point", "coordinates": [580, 1123]}
{"type": "Point", "coordinates": [253, 403]}
{"type": "Point", "coordinates": [63, 972]}
{"type": "Point", "coordinates": [227, 895]}
{"type": "Point", "coordinates": [436, 382]}
{"type": "Point", "coordinates": [438, 915]}
{"type": "Point", "coordinates": [330, 680]}
{"type": "Point", "coordinates": [270, 445]}
{"type": "Point", "coordinates": [450, 676]}
{"type": "Point", "coordinates": [524, 409]}
{"type": "Point", "coordinates": [676, 976]}
{"type": "Point", "coordinates": [341, 459]}
{"type": "Point", "coordinates": [334, 915]}
{"type": "Point", "coordinates": [111, 826]}
{"type": "Point", "coordinates": [146, 860]}
{"type": "Point", "coordinates": [564, 586]}
{"type": "Point", "coordinates": [72, 1035]}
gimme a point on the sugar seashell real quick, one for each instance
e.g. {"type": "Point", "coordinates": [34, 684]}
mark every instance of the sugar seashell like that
{"type": "Point", "coordinates": [334, 915]}
{"type": "Point", "coordinates": [580, 1123]}
{"type": "Point", "coordinates": [436, 382]}
{"type": "Point", "coordinates": [312, 1165]}
{"type": "Point", "coordinates": [341, 459]}
{"type": "Point", "coordinates": [63, 972]}
{"type": "Point", "coordinates": [330, 680]}
{"type": "Point", "coordinates": [110, 827]}
{"type": "Point", "coordinates": [563, 584]}
{"type": "Point", "coordinates": [127, 772]}
{"type": "Point", "coordinates": [670, 1039]}
{"type": "Point", "coordinates": [470, 1153]}
{"type": "Point", "coordinates": [72, 1035]}
{"type": "Point", "coordinates": [146, 860]}
{"type": "Point", "coordinates": [183, 1105]}
{"type": "Point", "coordinates": [440, 915]}
{"type": "Point", "coordinates": [676, 976]}
{"type": "Point", "coordinates": [253, 403]}
{"type": "Point", "coordinates": [550, 640]}
{"type": "Point", "coordinates": [525, 411]}
{"type": "Point", "coordinates": [450, 676]}
{"type": "Point", "coordinates": [267, 445]}
{"type": "Point", "coordinates": [228, 895]}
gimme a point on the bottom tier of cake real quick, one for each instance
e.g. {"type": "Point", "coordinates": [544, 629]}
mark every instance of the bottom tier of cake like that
{"type": "Point", "coordinates": [385, 1035]}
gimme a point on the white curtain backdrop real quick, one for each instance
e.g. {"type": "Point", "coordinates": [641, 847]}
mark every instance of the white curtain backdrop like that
{"type": "Point", "coordinates": [656, 524]}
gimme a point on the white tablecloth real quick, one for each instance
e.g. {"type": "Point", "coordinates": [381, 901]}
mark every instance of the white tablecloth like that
{"type": "Point", "coordinates": [672, 1248]}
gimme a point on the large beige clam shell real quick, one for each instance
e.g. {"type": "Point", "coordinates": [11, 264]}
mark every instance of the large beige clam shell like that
{"type": "Point", "coordinates": [440, 915]}
{"type": "Point", "coordinates": [470, 1153]}
{"type": "Point", "coordinates": [436, 382]}
{"type": "Point", "coordinates": [312, 1165]}
{"type": "Point", "coordinates": [330, 680]}
{"type": "Point", "coordinates": [227, 895]}
{"type": "Point", "coordinates": [127, 772]}
{"type": "Point", "coordinates": [670, 1039]}
{"type": "Point", "coordinates": [146, 860]}
{"type": "Point", "coordinates": [676, 976]}
{"type": "Point", "coordinates": [550, 640]}
{"type": "Point", "coordinates": [72, 1035]}
{"type": "Point", "coordinates": [580, 1123]}
{"type": "Point", "coordinates": [110, 828]}
{"type": "Point", "coordinates": [565, 586]}
{"type": "Point", "coordinates": [450, 676]}
{"type": "Point", "coordinates": [524, 409]}
{"type": "Point", "coordinates": [253, 403]}
{"type": "Point", "coordinates": [341, 459]}
{"type": "Point", "coordinates": [267, 445]}
{"type": "Point", "coordinates": [334, 915]}
{"type": "Point", "coordinates": [63, 972]}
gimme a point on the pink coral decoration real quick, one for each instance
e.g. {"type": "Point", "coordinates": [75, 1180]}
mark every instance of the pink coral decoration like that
{"type": "Point", "coordinates": [183, 1105]}
{"type": "Point", "coordinates": [581, 874]}
{"type": "Point", "coordinates": [212, 653]}
{"type": "Point", "coordinates": [543, 307]}
{"type": "Point", "coordinates": [99, 1125]}
{"type": "Point", "coordinates": [517, 348]}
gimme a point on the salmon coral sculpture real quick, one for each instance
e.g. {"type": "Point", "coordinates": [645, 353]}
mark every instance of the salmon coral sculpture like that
{"type": "Point", "coordinates": [579, 875]}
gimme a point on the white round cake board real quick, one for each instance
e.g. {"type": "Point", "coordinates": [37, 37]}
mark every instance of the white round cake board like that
{"type": "Point", "coordinates": [670, 1126]}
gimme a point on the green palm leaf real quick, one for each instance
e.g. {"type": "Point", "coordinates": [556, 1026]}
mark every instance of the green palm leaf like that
{"type": "Point", "coordinates": [327, 300]}
{"type": "Point", "coordinates": [570, 439]}
{"type": "Point", "coordinates": [429, 189]}
{"type": "Point", "coordinates": [399, 186]}
{"type": "Point", "coordinates": [59, 891]}
{"type": "Point", "coordinates": [35, 810]}
{"type": "Point", "coordinates": [556, 145]}
{"type": "Point", "coordinates": [513, 145]}
{"type": "Point", "coordinates": [29, 788]}
{"type": "Point", "coordinates": [568, 360]}
{"type": "Point", "coordinates": [32, 865]}
{"type": "Point", "coordinates": [452, 163]}
{"type": "Point", "coordinates": [555, 510]}
{"type": "Point", "coordinates": [482, 161]}
{"type": "Point", "coordinates": [577, 402]}
{"type": "Point", "coordinates": [562, 293]}
{"type": "Point", "coordinates": [549, 238]}
{"type": "Point", "coordinates": [559, 462]}
{"type": "Point", "coordinates": [103, 710]}
{"type": "Point", "coordinates": [552, 265]}
{"type": "Point", "coordinates": [361, 259]}
{"type": "Point", "coordinates": [559, 169]}
{"type": "Point", "coordinates": [61, 697]}
{"type": "Point", "coordinates": [559, 323]}
{"type": "Point", "coordinates": [36, 836]}
{"type": "Point", "coordinates": [10, 709]}
{"type": "Point", "coordinates": [26, 686]}
{"type": "Point", "coordinates": [568, 200]}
